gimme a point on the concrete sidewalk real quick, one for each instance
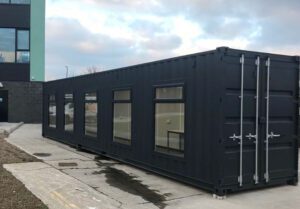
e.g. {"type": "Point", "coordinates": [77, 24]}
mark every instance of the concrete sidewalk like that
{"type": "Point", "coordinates": [8, 128]}
{"type": "Point", "coordinates": [71, 179]}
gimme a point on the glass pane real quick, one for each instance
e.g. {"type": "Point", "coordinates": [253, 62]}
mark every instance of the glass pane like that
{"type": "Point", "coordinates": [91, 119]}
{"type": "Point", "coordinates": [23, 57]}
{"type": "Point", "coordinates": [69, 96]}
{"type": "Point", "coordinates": [52, 98]}
{"type": "Point", "coordinates": [122, 95]}
{"type": "Point", "coordinates": [52, 115]}
{"type": "Point", "coordinates": [90, 96]}
{"type": "Point", "coordinates": [4, 1]}
{"type": "Point", "coordinates": [7, 45]}
{"type": "Point", "coordinates": [69, 116]}
{"type": "Point", "coordinates": [169, 128]}
{"type": "Point", "coordinates": [20, 1]}
{"type": "Point", "coordinates": [23, 40]}
{"type": "Point", "coordinates": [169, 93]}
{"type": "Point", "coordinates": [122, 123]}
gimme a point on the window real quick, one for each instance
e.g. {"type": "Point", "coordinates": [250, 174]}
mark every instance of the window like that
{"type": "Point", "coordinates": [52, 111]}
{"type": "Point", "coordinates": [14, 46]}
{"type": "Point", "coordinates": [7, 45]}
{"type": "Point", "coordinates": [122, 117]}
{"type": "Point", "coordinates": [23, 46]}
{"type": "Point", "coordinates": [20, 1]}
{"type": "Point", "coordinates": [14, 1]}
{"type": "Point", "coordinates": [91, 113]}
{"type": "Point", "coordinates": [69, 113]}
{"type": "Point", "coordinates": [169, 120]}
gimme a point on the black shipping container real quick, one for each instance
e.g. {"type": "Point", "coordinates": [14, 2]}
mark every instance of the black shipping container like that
{"type": "Point", "coordinates": [224, 120]}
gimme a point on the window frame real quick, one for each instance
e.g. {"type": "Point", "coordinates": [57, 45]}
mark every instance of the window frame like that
{"type": "Point", "coordinates": [16, 47]}
{"type": "Point", "coordinates": [169, 101]}
{"type": "Point", "coordinates": [96, 101]}
{"type": "Point", "coordinates": [127, 101]}
{"type": "Point", "coordinates": [49, 103]}
{"type": "Point", "coordinates": [64, 118]}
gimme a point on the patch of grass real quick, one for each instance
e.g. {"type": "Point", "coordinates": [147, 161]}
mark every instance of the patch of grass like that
{"type": "Point", "coordinates": [13, 194]}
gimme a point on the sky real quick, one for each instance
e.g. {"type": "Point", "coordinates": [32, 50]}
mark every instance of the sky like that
{"type": "Point", "coordinates": [107, 34]}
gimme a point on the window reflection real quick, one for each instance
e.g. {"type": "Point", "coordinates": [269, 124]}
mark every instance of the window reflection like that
{"type": "Point", "coordinates": [122, 123]}
{"type": "Point", "coordinates": [169, 126]}
{"type": "Point", "coordinates": [169, 120]}
{"type": "Point", "coordinates": [7, 45]}
{"type": "Point", "coordinates": [23, 40]}
{"type": "Point", "coordinates": [52, 111]}
{"type": "Point", "coordinates": [14, 42]}
{"type": "Point", "coordinates": [91, 114]}
{"type": "Point", "coordinates": [23, 57]}
{"type": "Point", "coordinates": [122, 117]}
{"type": "Point", "coordinates": [20, 1]}
{"type": "Point", "coordinates": [69, 113]}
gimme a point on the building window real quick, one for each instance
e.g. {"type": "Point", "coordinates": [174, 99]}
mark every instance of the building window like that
{"type": "Point", "coordinates": [7, 45]}
{"type": "Point", "coordinates": [69, 113]}
{"type": "Point", "coordinates": [14, 1]}
{"type": "Point", "coordinates": [91, 114]}
{"type": "Point", "coordinates": [14, 46]}
{"type": "Point", "coordinates": [169, 120]}
{"type": "Point", "coordinates": [122, 117]}
{"type": "Point", "coordinates": [52, 111]}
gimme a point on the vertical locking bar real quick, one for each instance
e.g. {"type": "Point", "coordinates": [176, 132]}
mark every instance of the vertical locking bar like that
{"type": "Point", "coordinates": [268, 64]}
{"type": "Point", "coordinates": [242, 61]}
{"type": "Point", "coordinates": [256, 121]}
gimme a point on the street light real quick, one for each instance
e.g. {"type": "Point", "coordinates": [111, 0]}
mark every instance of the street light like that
{"type": "Point", "coordinates": [67, 71]}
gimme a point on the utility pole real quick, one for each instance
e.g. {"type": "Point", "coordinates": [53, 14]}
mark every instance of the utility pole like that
{"type": "Point", "coordinates": [67, 71]}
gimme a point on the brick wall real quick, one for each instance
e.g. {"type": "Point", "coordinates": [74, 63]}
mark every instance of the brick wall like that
{"type": "Point", "coordinates": [24, 101]}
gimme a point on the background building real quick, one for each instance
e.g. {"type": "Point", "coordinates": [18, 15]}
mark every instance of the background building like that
{"type": "Point", "coordinates": [22, 59]}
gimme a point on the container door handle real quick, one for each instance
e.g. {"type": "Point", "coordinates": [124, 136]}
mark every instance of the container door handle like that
{"type": "Point", "coordinates": [272, 135]}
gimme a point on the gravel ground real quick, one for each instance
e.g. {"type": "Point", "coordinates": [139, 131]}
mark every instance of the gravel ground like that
{"type": "Point", "coordinates": [13, 194]}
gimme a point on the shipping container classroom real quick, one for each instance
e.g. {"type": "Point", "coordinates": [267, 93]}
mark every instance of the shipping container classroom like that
{"type": "Point", "coordinates": [224, 120]}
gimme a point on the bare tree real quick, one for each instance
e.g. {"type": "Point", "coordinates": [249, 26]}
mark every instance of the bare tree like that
{"type": "Point", "coordinates": [92, 70]}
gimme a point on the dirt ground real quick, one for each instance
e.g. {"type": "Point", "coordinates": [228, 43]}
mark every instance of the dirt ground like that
{"type": "Point", "coordinates": [13, 194]}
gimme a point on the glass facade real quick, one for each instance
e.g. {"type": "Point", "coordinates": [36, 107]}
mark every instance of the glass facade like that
{"type": "Point", "coordinates": [169, 120]}
{"type": "Point", "coordinates": [69, 112]}
{"type": "Point", "coordinates": [122, 117]}
{"type": "Point", "coordinates": [12, 51]}
{"type": "Point", "coordinates": [52, 111]}
{"type": "Point", "coordinates": [91, 115]}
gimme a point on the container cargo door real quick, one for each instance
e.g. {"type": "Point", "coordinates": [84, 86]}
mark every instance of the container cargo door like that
{"type": "Point", "coordinates": [259, 120]}
{"type": "Point", "coordinates": [280, 124]}
{"type": "Point", "coordinates": [240, 121]}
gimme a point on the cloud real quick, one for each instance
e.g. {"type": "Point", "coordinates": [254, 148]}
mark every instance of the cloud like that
{"type": "Point", "coordinates": [268, 22]}
{"type": "Point", "coordinates": [71, 44]}
{"type": "Point", "coordinates": [117, 33]}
